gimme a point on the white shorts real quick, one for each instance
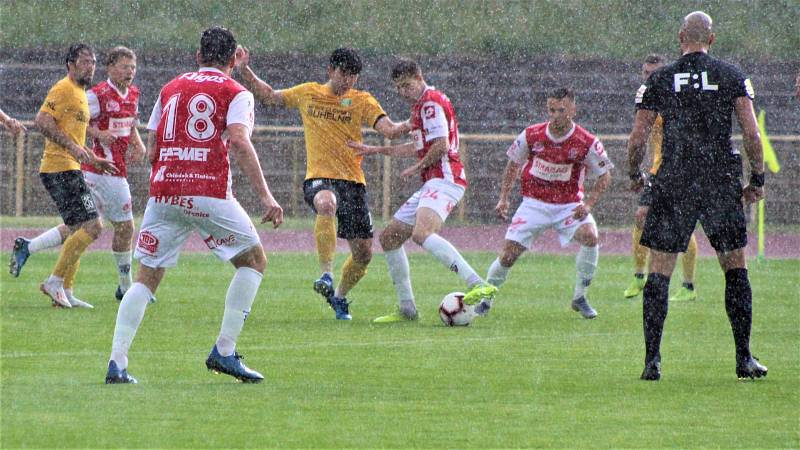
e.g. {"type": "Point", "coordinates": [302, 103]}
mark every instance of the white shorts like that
{"type": "Point", "coordinates": [223, 224]}
{"type": "Point", "coordinates": [534, 216]}
{"type": "Point", "coordinates": [436, 194]}
{"type": "Point", "coordinates": [112, 196]}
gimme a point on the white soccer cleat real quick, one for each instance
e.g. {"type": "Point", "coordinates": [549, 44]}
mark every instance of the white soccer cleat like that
{"type": "Point", "coordinates": [75, 302]}
{"type": "Point", "coordinates": [56, 293]}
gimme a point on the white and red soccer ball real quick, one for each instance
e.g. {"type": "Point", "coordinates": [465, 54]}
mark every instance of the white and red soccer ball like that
{"type": "Point", "coordinates": [454, 312]}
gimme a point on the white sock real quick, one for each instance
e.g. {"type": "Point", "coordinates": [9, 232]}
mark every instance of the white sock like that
{"type": "Point", "coordinates": [585, 265]}
{"type": "Point", "coordinates": [129, 317]}
{"type": "Point", "coordinates": [241, 294]}
{"type": "Point", "coordinates": [123, 260]}
{"type": "Point", "coordinates": [451, 258]}
{"type": "Point", "coordinates": [49, 239]}
{"type": "Point", "coordinates": [497, 273]}
{"type": "Point", "coordinates": [397, 261]}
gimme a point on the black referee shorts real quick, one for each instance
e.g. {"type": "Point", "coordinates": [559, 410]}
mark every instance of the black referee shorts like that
{"type": "Point", "coordinates": [674, 214]}
{"type": "Point", "coordinates": [352, 205]}
{"type": "Point", "coordinates": [71, 196]}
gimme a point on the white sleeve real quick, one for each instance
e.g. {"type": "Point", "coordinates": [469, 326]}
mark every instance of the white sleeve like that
{"type": "Point", "coordinates": [155, 116]}
{"type": "Point", "coordinates": [434, 122]}
{"type": "Point", "coordinates": [94, 104]}
{"type": "Point", "coordinates": [241, 110]}
{"type": "Point", "coordinates": [597, 159]}
{"type": "Point", "coordinates": [519, 150]}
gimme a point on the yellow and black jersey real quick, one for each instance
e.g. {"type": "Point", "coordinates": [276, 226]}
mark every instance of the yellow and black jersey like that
{"type": "Point", "coordinates": [329, 121]}
{"type": "Point", "coordinates": [68, 105]}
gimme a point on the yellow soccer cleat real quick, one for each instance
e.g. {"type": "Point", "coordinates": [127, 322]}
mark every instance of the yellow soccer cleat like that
{"type": "Point", "coordinates": [684, 294]}
{"type": "Point", "coordinates": [396, 317]}
{"type": "Point", "coordinates": [636, 287]}
{"type": "Point", "coordinates": [483, 291]}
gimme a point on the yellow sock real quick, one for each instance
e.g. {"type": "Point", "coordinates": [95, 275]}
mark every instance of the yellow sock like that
{"type": "Point", "coordinates": [352, 272]}
{"type": "Point", "coordinates": [71, 252]}
{"type": "Point", "coordinates": [69, 274]}
{"type": "Point", "coordinates": [325, 234]}
{"type": "Point", "coordinates": [689, 260]}
{"type": "Point", "coordinates": [639, 251]}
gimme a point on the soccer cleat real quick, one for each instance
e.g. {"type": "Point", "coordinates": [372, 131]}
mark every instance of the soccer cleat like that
{"type": "Point", "coordinates": [581, 305]}
{"type": "Point", "coordinates": [652, 370]}
{"type": "Point", "coordinates": [683, 295]}
{"type": "Point", "coordinates": [479, 292]}
{"type": "Point", "coordinates": [482, 308]}
{"type": "Point", "coordinates": [19, 255]}
{"type": "Point", "coordinates": [75, 302]}
{"type": "Point", "coordinates": [636, 287]}
{"type": "Point", "coordinates": [232, 365]}
{"type": "Point", "coordinates": [324, 286]}
{"type": "Point", "coordinates": [56, 293]}
{"type": "Point", "coordinates": [750, 368]}
{"type": "Point", "coordinates": [119, 294]}
{"type": "Point", "coordinates": [117, 376]}
{"type": "Point", "coordinates": [395, 317]}
{"type": "Point", "coordinates": [341, 307]}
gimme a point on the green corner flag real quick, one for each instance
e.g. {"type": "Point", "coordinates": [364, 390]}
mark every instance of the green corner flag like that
{"type": "Point", "coordinates": [771, 161]}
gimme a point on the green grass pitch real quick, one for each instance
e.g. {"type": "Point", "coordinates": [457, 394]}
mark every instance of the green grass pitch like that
{"type": "Point", "coordinates": [532, 374]}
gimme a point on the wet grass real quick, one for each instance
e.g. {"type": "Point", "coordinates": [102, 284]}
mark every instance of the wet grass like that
{"type": "Point", "coordinates": [578, 28]}
{"type": "Point", "coordinates": [532, 374]}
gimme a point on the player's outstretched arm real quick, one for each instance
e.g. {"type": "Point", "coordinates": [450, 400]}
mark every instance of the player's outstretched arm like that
{"type": "Point", "coordinates": [510, 175]}
{"type": "Point", "coordinates": [11, 124]}
{"type": "Point", "coordinates": [743, 106]}
{"type": "Point", "coordinates": [246, 157]}
{"type": "Point", "coordinates": [637, 142]}
{"type": "Point", "coordinates": [390, 129]}
{"type": "Point", "coordinates": [401, 150]}
{"type": "Point", "coordinates": [260, 89]}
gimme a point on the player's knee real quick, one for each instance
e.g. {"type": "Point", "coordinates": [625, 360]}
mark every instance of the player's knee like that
{"type": "Point", "coordinates": [124, 230]}
{"type": "Point", "coordinates": [93, 227]}
{"type": "Point", "coordinates": [254, 258]}
{"type": "Point", "coordinates": [419, 236]}
{"type": "Point", "coordinates": [363, 257]}
{"type": "Point", "coordinates": [508, 259]}
{"type": "Point", "coordinates": [325, 203]}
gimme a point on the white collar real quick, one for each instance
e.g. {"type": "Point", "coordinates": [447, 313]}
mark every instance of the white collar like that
{"type": "Point", "coordinates": [210, 69]}
{"type": "Point", "coordinates": [562, 138]}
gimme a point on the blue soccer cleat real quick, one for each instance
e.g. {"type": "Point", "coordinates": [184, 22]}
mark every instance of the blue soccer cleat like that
{"type": "Point", "coordinates": [341, 307]}
{"type": "Point", "coordinates": [232, 365]}
{"type": "Point", "coordinates": [117, 376]}
{"type": "Point", "coordinates": [581, 305]}
{"type": "Point", "coordinates": [19, 256]}
{"type": "Point", "coordinates": [324, 286]}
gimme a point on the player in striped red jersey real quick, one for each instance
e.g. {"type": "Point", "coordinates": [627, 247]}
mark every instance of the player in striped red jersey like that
{"type": "Point", "coordinates": [436, 146]}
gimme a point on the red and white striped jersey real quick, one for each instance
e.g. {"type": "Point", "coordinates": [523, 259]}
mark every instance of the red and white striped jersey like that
{"type": "Point", "coordinates": [433, 116]}
{"type": "Point", "coordinates": [554, 169]}
{"type": "Point", "coordinates": [110, 110]}
{"type": "Point", "coordinates": [190, 118]}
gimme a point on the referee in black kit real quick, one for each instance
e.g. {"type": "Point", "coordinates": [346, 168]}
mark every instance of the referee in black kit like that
{"type": "Point", "coordinates": [698, 180]}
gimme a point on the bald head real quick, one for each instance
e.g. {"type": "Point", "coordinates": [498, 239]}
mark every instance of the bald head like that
{"type": "Point", "coordinates": [696, 28]}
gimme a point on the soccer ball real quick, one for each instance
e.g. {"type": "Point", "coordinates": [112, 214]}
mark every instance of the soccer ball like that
{"type": "Point", "coordinates": [454, 312]}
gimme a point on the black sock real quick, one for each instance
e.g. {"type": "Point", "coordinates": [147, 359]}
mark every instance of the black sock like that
{"type": "Point", "coordinates": [654, 313]}
{"type": "Point", "coordinates": [638, 275]}
{"type": "Point", "coordinates": [739, 306]}
{"type": "Point", "coordinates": [689, 286]}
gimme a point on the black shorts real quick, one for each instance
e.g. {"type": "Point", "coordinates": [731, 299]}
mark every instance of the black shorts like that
{"type": "Point", "coordinates": [71, 196]}
{"type": "Point", "coordinates": [352, 205]}
{"type": "Point", "coordinates": [675, 212]}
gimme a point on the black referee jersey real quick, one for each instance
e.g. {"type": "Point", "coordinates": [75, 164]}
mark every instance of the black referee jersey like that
{"type": "Point", "coordinates": [695, 96]}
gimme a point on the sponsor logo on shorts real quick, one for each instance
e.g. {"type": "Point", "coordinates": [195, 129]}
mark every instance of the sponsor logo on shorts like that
{"type": "Point", "coordinates": [88, 202]}
{"type": "Point", "coordinates": [126, 207]}
{"type": "Point", "coordinates": [226, 241]}
{"type": "Point", "coordinates": [147, 243]}
{"type": "Point", "coordinates": [570, 220]}
{"type": "Point", "coordinates": [516, 223]}
{"type": "Point", "coordinates": [177, 200]}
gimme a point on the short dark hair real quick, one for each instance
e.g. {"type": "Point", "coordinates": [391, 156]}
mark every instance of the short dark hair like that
{"type": "Point", "coordinates": [75, 50]}
{"type": "Point", "coordinates": [655, 58]}
{"type": "Point", "coordinates": [562, 93]}
{"type": "Point", "coordinates": [118, 52]}
{"type": "Point", "coordinates": [347, 59]}
{"type": "Point", "coordinates": [405, 68]}
{"type": "Point", "coordinates": [217, 46]}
